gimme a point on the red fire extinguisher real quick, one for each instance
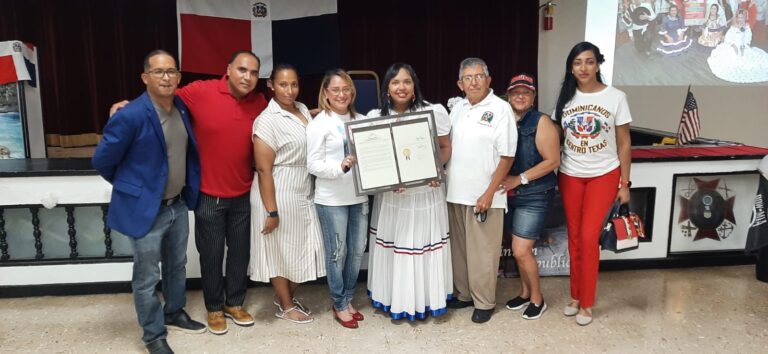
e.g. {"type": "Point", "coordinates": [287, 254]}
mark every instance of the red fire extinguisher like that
{"type": "Point", "coordinates": [549, 13]}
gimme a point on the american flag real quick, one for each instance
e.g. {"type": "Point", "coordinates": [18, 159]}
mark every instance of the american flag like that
{"type": "Point", "coordinates": [689, 122]}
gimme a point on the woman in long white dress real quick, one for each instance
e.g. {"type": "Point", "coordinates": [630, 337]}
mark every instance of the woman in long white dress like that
{"type": "Point", "coordinates": [409, 271]}
{"type": "Point", "coordinates": [286, 243]}
{"type": "Point", "coordinates": [735, 60]}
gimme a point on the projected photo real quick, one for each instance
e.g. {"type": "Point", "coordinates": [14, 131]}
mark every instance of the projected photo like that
{"type": "Point", "coordinates": [699, 42]}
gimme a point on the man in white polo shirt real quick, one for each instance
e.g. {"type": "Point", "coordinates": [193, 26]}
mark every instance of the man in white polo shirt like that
{"type": "Point", "coordinates": [484, 139]}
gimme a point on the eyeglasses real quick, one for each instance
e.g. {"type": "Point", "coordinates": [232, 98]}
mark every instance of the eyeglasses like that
{"type": "Point", "coordinates": [520, 94]}
{"type": "Point", "coordinates": [338, 90]}
{"type": "Point", "coordinates": [477, 77]}
{"type": "Point", "coordinates": [159, 73]}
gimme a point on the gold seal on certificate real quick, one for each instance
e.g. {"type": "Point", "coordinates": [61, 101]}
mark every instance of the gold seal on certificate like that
{"type": "Point", "coordinates": [394, 152]}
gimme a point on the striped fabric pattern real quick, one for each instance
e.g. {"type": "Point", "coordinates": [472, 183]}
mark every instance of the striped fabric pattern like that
{"type": "Point", "coordinates": [689, 122]}
{"type": "Point", "coordinates": [294, 250]}
{"type": "Point", "coordinates": [412, 251]}
{"type": "Point", "coordinates": [221, 222]}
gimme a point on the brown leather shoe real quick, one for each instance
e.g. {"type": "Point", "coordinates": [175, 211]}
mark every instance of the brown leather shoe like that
{"type": "Point", "coordinates": [217, 324]}
{"type": "Point", "coordinates": [239, 316]}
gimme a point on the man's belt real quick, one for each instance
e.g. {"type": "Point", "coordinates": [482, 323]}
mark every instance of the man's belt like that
{"type": "Point", "coordinates": [170, 201]}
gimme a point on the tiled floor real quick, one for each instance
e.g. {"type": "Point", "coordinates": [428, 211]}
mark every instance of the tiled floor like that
{"type": "Point", "coordinates": [694, 310]}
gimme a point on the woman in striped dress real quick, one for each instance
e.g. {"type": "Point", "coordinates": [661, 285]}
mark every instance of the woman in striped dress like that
{"type": "Point", "coordinates": [286, 243]}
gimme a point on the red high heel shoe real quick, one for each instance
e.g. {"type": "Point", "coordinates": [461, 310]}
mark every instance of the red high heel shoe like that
{"type": "Point", "coordinates": [358, 316]}
{"type": "Point", "coordinates": [348, 324]}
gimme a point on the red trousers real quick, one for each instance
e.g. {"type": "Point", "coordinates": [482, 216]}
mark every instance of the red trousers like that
{"type": "Point", "coordinates": [586, 202]}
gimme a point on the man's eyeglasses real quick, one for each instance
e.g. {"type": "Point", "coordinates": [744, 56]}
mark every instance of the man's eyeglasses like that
{"type": "Point", "coordinates": [159, 73]}
{"type": "Point", "coordinates": [477, 77]}
{"type": "Point", "coordinates": [338, 90]}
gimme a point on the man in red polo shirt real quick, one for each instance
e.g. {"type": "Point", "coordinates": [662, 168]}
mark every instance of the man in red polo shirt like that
{"type": "Point", "coordinates": [223, 111]}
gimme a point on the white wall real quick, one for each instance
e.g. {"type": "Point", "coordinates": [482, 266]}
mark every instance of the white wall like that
{"type": "Point", "coordinates": [735, 113]}
{"type": "Point", "coordinates": [554, 47]}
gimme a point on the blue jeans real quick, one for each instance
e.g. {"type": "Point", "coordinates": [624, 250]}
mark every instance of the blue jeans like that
{"type": "Point", "coordinates": [527, 214]}
{"type": "Point", "coordinates": [165, 242]}
{"type": "Point", "coordinates": [344, 237]}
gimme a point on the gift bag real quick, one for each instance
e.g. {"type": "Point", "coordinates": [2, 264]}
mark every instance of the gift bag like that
{"type": "Point", "coordinates": [621, 229]}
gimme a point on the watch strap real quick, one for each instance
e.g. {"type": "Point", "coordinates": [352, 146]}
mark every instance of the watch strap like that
{"type": "Point", "coordinates": [523, 178]}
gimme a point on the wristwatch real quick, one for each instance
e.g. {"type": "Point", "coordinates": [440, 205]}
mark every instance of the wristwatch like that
{"type": "Point", "coordinates": [623, 184]}
{"type": "Point", "coordinates": [523, 178]}
{"type": "Point", "coordinates": [272, 214]}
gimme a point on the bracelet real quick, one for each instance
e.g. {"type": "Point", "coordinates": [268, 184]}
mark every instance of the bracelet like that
{"type": "Point", "coordinates": [625, 184]}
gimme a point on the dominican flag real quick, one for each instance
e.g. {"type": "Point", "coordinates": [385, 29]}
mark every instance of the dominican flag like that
{"type": "Point", "coordinates": [17, 63]}
{"type": "Point", "coordinates": [304, 33]}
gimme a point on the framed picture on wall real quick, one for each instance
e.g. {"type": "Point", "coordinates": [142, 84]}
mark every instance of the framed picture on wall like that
{"type": "Point", "coordinates": [711, 212]}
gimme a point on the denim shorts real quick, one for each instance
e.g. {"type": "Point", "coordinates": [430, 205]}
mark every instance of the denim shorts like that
{"type": "Point", "coordinates": [527, 214]}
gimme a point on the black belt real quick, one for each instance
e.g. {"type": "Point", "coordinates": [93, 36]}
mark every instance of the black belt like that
{"type": "Point", "coordinates": [170, 201]}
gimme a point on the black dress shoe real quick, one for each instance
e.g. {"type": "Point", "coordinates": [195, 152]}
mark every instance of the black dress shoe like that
{"type": "Point", "coordinates": [181, 322]}
{"type": "Point", "coordinates": [481, 316]}
{"type": "Point", "coordinates": [455, 303]}
{"type": "Point", "coordinates": [159, 346]}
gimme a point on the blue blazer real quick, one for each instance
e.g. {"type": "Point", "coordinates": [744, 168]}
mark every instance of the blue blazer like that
{"type": "Point", "coordinates": [133, 157]}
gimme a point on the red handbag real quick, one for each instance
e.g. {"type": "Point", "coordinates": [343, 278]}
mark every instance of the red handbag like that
{"type": "Point", "coordinates": [622, 229]}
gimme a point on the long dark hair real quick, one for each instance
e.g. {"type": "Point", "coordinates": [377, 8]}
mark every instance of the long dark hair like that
{"type": "Point", "coordinates": [386, 104]}
{"type": "Point", "coordinates": [568, 89]}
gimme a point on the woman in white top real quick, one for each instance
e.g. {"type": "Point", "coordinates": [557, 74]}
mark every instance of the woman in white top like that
{"type": "Point", "coordinates": [343, 215]}
{"type": "Point", "coordinates": [594, 168]}
{"type": "Point", "coordinates": [409, 270]}
{"type": "Point", "coordinates": [713, 30]}
{"type": "Point", "coordinates": [735, 60]}
{"type": "Point", "coordinates": [286, 245]}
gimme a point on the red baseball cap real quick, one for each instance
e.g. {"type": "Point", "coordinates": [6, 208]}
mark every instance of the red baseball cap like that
{"type": "Point", "coordinates": [522, 80]}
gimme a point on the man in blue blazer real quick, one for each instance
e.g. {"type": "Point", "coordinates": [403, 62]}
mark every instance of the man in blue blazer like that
{"type": "Point", "coordinates": [149, 155]}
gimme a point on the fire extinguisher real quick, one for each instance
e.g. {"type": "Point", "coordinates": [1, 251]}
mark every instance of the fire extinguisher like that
{"type": "Point", "coordinates": [549, 13]}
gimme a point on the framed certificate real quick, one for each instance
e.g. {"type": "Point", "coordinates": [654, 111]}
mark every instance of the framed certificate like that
{"type": "Point", "coordinates": [394, 152]}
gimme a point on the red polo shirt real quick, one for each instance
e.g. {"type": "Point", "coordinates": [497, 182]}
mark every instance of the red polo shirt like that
{"type": "Point", "coordinates": [222, 125]}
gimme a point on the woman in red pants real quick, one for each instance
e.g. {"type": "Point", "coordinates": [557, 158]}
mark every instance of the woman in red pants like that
{"type": "Point", "coordinates": [594, 168]}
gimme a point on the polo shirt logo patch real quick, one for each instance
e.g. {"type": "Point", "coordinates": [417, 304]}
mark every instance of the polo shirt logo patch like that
{"type": "Point", "coordinates": [486, 118]}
